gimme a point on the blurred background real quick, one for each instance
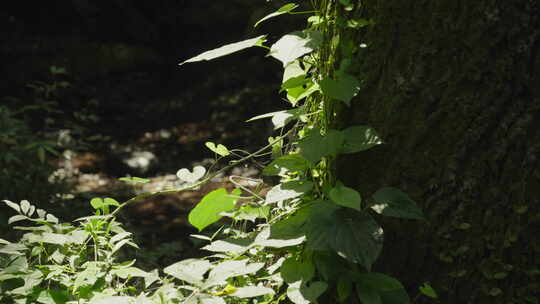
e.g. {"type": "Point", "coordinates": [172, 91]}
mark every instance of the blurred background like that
{"type": "Point", "coordinates": [92, 91]}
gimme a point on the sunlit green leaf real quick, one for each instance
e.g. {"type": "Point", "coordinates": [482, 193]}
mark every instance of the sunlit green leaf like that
{"type": "Point", "coordinates": [252, 291]}
{"type": "Point", "coordinates": [209, 208]}
{"type": "Point", "coordinates": [299, 293]}
{"type": "Point", "coordinates": [288, 190]}
{"type": "Point", "coordinates": [219, 149]}
{"type": "Point", "coordinates": [393, 202]}
{"type": "Point", "coordinates": [427, 290]}
{"type": "Point", "coordinates": [134, 179]}
{"type": "Point", "coordinates": [346, 197]}
{"type": "Point", "coordinates": [279, 118]}
{"type": "Point", "coordinates": [282, 10]}
{"type": "Point", "coordinates": [191, 177]}
{"type": "Point", "coordinates": [295, 45]}
{"type": "Point", "coordinates": [190, 270]}
{"type": "Point", "coordinates": [226, 49]}
{"type": "Point", "coordinates": [234, 246]}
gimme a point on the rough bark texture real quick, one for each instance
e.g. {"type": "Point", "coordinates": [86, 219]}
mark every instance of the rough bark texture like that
{"type": "Point", "coordinates": [453, 88]}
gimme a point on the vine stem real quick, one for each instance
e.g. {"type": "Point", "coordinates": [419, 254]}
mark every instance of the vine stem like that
{"type": "Point", "coordinates": [204, 180]}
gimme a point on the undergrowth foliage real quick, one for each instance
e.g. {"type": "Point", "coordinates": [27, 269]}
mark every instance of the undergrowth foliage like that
{"type": "Point", "coordinates": [311, 238]}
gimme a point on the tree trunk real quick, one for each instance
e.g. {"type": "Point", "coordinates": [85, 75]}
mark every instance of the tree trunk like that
{"type": "Point", "coordinates": [453, 89]}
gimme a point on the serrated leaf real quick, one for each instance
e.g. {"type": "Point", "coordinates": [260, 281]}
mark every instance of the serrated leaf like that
{"type": "Point", "coordinates": [208, 210]}
{"type": "Point", "coordinates": [190, 270]}
{"type": "Point", "coordinates": [252, 291]}
{"type": "Point", "coordinates": [134, 179]}
{"type": "Point", "coordinates": [316, 146]}
{"type": "Point", "coordinates": [359, 138]}
{"type": "Point", "coordinates": [219, 149]}
{"type": "Point", "coordinates": [345, 196]}
{"type": "Point", "coordinates": [282, 10]}
{"type": "Point", "coordinates": [393, 202]}
{"type": "Point", "coordinates": [289, 163]}
{"type": "Point", "coordinates": [300, 293]}
{"type": "Point", "coordinates": [343, 88]}
{"type": "Point", "coordinates": [226, 49]}
{"type": "Point", "coordinates": [295, 45]}
{"type": "Point", "coordinates": [288, 190]}
{"type": "Point", "coordinates": [191, 177]}
{"type": "Point", "coordinates": [293, 270]}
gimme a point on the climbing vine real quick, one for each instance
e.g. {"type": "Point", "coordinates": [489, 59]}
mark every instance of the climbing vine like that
{"type": "Point", "coordinates": [309, 239]}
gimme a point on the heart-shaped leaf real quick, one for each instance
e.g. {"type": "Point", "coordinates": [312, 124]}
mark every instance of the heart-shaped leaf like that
{"type": "Point", "coordinates": [208, 210]}
{"type": "Point", "coordinates": [345, 196]}
{"type": "Point", "coordinates": [191, 177]}
{"type": "Point", "coordinates": [393, 202]}
{"type": "Point", "coordinates": [299, 293]}
{"type": "Point", "coordinates": [219, 149]}
{"type": "Point", "coordinates": [343, 88]}
{"type": "Point", "coordinates": [294, 45]}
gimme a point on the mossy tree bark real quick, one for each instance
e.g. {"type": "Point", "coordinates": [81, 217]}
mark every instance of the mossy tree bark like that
{"type": "Point", "coordinates": [453, 89]}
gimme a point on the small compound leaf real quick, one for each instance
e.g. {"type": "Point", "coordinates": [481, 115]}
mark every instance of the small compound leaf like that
{"type": "Point", "coordinates": [282, 10]}
{"type": "Point", "coordinates": [393, 202]}
{"type": "Point", "coordinates": [219, 149]}
{"type": "Point", "coordinates": [134, 179]}
{"type": "Point", "coordinates": [293, 270]}
{"type": "Point", "coordinates": [252, 291]}
{"type": "Point", "coordinates": [226, 49]}
{"type": "Point", "coordinates": [289, 163]}
{"type": "Point", "coordinates": [288, 190]}
{"type": "Point", "coordinates": [208, 210]}
{"type": "Point", "coordinates": [343, 88]}
{"type": "Point", "coordinates": [190, 270]}
{"type": "Point", "coordinates": [345, 196]}
{"type": "Point", "coordinates": [299, 293]}
{"type": "Point", "coordinates": [295, 45]}
{"type": "Point", "coordinates": [190, 177]}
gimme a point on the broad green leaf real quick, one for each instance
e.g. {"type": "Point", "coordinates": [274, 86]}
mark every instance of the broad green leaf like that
{"type": "Point", "coordinates": [378, 281]}
{"type": "Point", "coordinates": [190, 270]}
{"type": "Point", "coordinates": [228, 269]}
{"type": "Point", "coordinates": [343, 88]}
{"type": "Point", "coordinates": [359, 138]}
{"type": "Point", "coordinates": [342, 230]}
{"type": "Point", "coordinates": [287, 190]}
{"type": "Point", "coordinates": [208, 210]}
{"type": "Point", "coordinates": [124, 273]}
{"type": "Point", "coordinates": [300, 293]}
{"type": "Point", "coordinates": [134, 179]}
{"type": "Point", "coordinates": [345, 196]}
{"type": "Point", "coordinates": [249, 213]}
{"type": "Point", "coordinates": [233, 246]}
{"type": "Point", "coordinates": [295, 45]}
{"type": "Point", "coordinates": [219, 149]}
{"type": "Point", "coordinates": [282, 10]}
{"type": "Point", "coordinates": [191, 177]}
{"type": "Point", "coordinates": [427, 290]}
{"type": "Point", "coordinates": [368, 295]}
{"type": "Point", "coordinates": [293, 270]}
{"type": "Point", "coordinates": [315, 146]}
{"type": "Point", "coordinates": [289, 163]}
{"type": "Point", "coordinates": [226, 49]}
{"type": "Point", "coordinates": [96, 202]}
{"type": "Point", "coordinates": [294, 95]}
{"type": "Point", "coordinates": [293, 70]}
{"type": "Point", "coordinates": [252, 291]}
{"type": "Point", "coordinates": [113, 300]}
{"type": "Point", "coordinates": [295, 82]}
{"type": "Point", "coordinates": [393, 202]}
